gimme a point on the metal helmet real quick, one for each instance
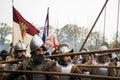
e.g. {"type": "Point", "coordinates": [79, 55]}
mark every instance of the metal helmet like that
{"type": "Point", "coordinates": [85, 55]}
{"type": "Point", "coordinates": [35, 43]}
{"type": "Point", "coordinates": [20, 46]}
{"type": "Point", "coordinates": [102, 48]}
{"type": "Point", "coordinates": [64, 48]}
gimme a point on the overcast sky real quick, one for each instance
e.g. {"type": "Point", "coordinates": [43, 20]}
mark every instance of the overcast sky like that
{"type": "Point", "coordinates": [61, 12]}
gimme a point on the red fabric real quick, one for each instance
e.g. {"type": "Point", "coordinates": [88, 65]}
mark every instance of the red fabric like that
{"type": "Point", "coordinates": [17, 17]}
{"type": "Point", "coordinates": [55, 44]}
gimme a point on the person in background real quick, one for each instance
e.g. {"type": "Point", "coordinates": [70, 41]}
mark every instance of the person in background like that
{"type": "Point", "coordinates": [86, 60]}
{"type": "Point", "coordinates": [102, 59]}
{"type": "Point", "coordinates": [113, 62]}
{"type": "Point", "coordinates": [3, 55]}
{"type": "Point", "coordinates": [19, 53]}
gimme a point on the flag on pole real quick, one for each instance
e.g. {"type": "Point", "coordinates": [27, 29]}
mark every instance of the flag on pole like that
{"type": "Point", "coordinates": [22, 29]}
{"type": "Point", "coordinates": [46, 27]}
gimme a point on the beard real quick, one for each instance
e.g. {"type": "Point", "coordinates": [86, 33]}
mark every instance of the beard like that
{"type": "Point", "coordinates": [22, 57]}
{"type": "Point", "coordinates": [64, 63]}
{"type": "Point", "coordinates": [37, 59]}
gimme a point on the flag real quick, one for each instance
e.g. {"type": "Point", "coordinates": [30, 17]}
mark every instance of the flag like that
{"type": "Point", "coordinates": [22, 29]}
{"type": "Point", "coordinates": [46, 27]}
{"type": "Point", "coordinates": [30, 29]}
{"type": "Point", "coordinates": [55, 43]}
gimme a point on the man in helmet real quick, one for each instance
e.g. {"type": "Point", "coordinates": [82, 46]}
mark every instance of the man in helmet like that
{"type": "Point", "coordinates": [102, 59]}
{"type": "Point", "coordinates": [87, 59]}
{"type": "Point", "coordinates": [37, 63]}
{"type": "Point", "coordinates": [65, 63]}
{"type": "Point", "coordinates": [19, 53]}
{"type": "Point", "coordinates": [20, 50]}
{"type": "Point", "coordinates": [3, 55]}
{"type": "Point", "coordinates": [113, 62]}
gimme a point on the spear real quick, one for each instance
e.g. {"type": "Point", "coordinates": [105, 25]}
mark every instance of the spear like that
{"type": "Point", "coordinates": [81, 53]}
{"type": "Point", "coordinates": [68, 54]}
{"type": "Point", "coordinates": [60, 73]}
{"type": "Point", "coordinates": [76, 58]}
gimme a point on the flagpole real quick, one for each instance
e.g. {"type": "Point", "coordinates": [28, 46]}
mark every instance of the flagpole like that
{"type": "Point", "coordinates": [13, 24]}
{"type": "Point", "coordinates": [104, 25]}
{"type": "Point", "coordinates": [12, 2]}
{"type": "Point", "coordinates": [12, 43]}
{"type": "Point", "coordinates": [117, 24]}
{"type": "Point", "coordinates": [76, 58]}
{"type": "Point", "coordinates": [48, 22]}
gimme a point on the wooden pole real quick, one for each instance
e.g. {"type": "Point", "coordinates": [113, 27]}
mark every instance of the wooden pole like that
{"type": "Point", "coordinates": [87, 52]}
{"type": "Point", "coordinates": [59, 73]}
{"type": "Point", "coordinates": [98, 66]}
{"type": "Point", "coordinates": [94, 24]}
{"type": "Point", "coordinates": [68, 54]}
{"type": "Point", "coordinates": [76, 58]}
{"type": "Point", "coordinates": [117, 24]}
{"type": "Point", "coordinates": [104, 25]}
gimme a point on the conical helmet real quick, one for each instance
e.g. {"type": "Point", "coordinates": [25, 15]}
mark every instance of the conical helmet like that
{"type": "Point", "coordinates": [20, 46]}
{"type": "Point", "coordinates": [35, 43]}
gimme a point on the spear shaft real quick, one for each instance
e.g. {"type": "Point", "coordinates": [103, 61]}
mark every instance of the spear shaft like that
{"type": "Point", "coordinates": [59, 73]}
{"type": "Point", "coordinates": [76, 58]}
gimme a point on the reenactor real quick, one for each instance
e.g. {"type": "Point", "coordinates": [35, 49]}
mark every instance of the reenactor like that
{"type": "Point", "coordinates": [113, 62]}
{"type": "Point", "coordinates": [1, 68]}
{"type": "Point", "coordinates": [37, 62]}
{"type": "Point", "coordinates": [118, 64]}
{"type": "Point", "coordinates": [86, 60]}
{"type": "Point", "coordinates": [19, 53]}
{"type": "Point", "coordinates": [3, 55]}
{"type": "Point", "coordinates": [65, 63]}
{"type": "Point", "coordinates": [20, 50]}
{"type": "Point", "coordinates": [102, 59]}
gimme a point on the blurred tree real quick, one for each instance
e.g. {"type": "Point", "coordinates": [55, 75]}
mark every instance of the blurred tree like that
{"type": "Point", "coordinates": [5, 31]}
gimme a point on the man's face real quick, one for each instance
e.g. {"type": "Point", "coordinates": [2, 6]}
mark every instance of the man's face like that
{"type": "Point", "coordinates": [39, 51]}
{"type": "Point", "coordinates": [38, 56]}
{"type": "Point", "coordinates": [21, 54]}
{"type": "Point", "coordinates": [67, 59]}
{"type": "Point", "coordinates": [105, 58]}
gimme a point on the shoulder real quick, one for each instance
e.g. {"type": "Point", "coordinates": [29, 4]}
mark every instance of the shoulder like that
{"type": "Point", "coordinates": [48, 62]}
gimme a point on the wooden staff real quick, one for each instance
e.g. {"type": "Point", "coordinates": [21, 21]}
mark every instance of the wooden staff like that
{"type": "Point", "coordinates": [98, 66]}
{"type": "Point", "coordinates": [68, 54]}
{"type": "Point", "coordinates": [87, 52]}
{"type": "Point", "coordinates": [11, 49]}
{"type": "Point", "coordinates": [13, 61]}
{"type": "Point", "coordinates": [59, 73]}
{"type": "Point", "coordinates": [76, 58]}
